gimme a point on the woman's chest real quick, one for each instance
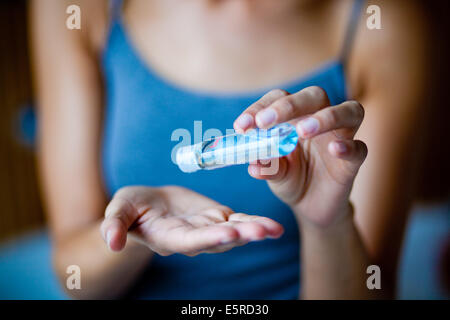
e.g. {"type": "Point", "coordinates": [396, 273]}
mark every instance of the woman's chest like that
{"type": "Point", "coordinates": [221, 53]}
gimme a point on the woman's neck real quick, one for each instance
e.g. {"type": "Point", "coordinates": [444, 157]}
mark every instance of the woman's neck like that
{"type": "Point", "coordinates": [239, 42]}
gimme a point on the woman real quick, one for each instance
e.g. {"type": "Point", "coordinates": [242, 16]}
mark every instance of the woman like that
{"type": "Point", "coordinates": [161, 65]}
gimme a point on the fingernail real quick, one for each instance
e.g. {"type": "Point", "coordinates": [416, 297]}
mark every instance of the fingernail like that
{"type": "Point", "coordinates": [308, 126]}
{"type": "Point", "coordinates": [108, 237]}
{"type": "Point", "coordinates": [340, 147]}
{"type": "Point", "coordinates": [266, 117]}
{"type": "Point", "coordinates": [244, 121]}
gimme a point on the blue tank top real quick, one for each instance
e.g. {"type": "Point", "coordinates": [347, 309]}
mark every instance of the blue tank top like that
{"type": "Point", "coordinates": [142, 112]}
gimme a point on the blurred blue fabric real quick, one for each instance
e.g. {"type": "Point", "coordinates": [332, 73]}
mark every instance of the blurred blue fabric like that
{"type": "Point", "coordinates": [26, 272]}
{"type": "Point", "coordinates": [419, 276]}
{"type": "Point", "coordinates": [25, 125]}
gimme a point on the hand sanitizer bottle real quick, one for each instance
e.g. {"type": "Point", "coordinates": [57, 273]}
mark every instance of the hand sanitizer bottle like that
{"type": "Point", "coordinates": [256, 144]}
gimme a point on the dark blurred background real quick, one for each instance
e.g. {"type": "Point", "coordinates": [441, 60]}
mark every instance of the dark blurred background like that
{"type": "Point", "coordinates": [425, 262]}
{"type": "Point", "coordinates": [19, 197]}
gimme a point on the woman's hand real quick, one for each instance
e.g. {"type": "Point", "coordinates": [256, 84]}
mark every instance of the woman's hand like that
{"type": "Point", "coordinates": [177, 220]}
{"type": "Point", "coordinates": [317, 177]}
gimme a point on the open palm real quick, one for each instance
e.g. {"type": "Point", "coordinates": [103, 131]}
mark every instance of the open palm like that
{"type": "Point", "coordinates": [177, 220]}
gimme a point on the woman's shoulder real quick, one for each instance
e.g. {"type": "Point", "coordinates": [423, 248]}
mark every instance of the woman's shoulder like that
{"type": "Point", "coordinates": [390, 34]}
{"type": "Point", "coordinates": [50, 20]}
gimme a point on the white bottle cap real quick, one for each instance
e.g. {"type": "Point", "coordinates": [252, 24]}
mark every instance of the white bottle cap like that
{"type": "Point", "coordinates": [187, 159]}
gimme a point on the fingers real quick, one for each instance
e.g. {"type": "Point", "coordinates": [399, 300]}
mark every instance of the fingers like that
{"type": "Point", "coordinates": [197, 240]}
{"type": "Point", "coordinates": [251, 226]}
{"type": "Point", "coordinates": [275, 169]}
{"type": "Point", "coordinates": [247, 119]}
{"type": "Point", "coordinates": [119, 216]}
{"type": "Point", "coordinates": [292, 106]}
{"type": "Point", "coordinates": [223, 248]}
{"type": "Point", "coordinates": [344, 118]}
{"type": "Point", "coordinates": [353, 151]}
{"type": "Point", "coordinates": [238, 230]}
{"type": "Point", "coordinates": [218, 213]}
{"type": "Point", "coordinates": [278, 106]}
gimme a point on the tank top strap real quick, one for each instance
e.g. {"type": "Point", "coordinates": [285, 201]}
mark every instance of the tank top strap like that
{"type": "Point", "coordinates": [115, 8]}
{"type": "Point", "coordinates": [350, 32]}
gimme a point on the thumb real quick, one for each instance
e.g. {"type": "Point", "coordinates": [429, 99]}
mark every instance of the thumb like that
{"type": "Point", "coordinates": [120, 214]}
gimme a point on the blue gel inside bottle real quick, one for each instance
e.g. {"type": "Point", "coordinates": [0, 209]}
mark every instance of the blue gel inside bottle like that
{"type": "Point", "coordinates": [256, 144]}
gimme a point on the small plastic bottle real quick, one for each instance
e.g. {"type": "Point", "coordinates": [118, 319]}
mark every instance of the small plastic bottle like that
{"type": "Point", "coordinates": [256, 144]}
